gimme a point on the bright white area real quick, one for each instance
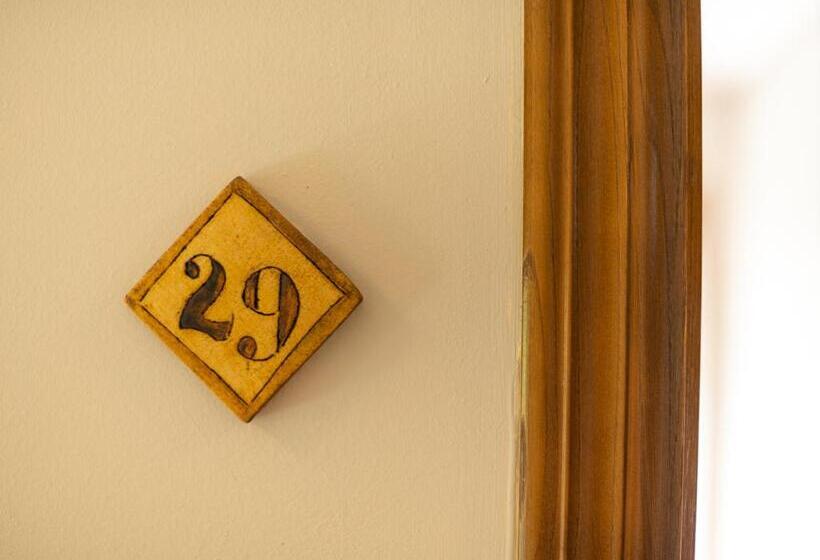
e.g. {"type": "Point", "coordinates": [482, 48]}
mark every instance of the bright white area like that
{"type": "Point", "coordinates": [759, 463]}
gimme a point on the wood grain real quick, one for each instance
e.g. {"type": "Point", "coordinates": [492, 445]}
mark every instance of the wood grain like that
{"type": "Point", "coordinates": [611, 279]}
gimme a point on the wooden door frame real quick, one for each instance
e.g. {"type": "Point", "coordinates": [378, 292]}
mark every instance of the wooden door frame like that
{"type": "Point", "coordinates": [612, 244]}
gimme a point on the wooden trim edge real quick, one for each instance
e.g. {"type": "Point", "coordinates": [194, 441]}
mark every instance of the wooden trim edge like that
{"type": "Point", "coordinates": [611, 314]}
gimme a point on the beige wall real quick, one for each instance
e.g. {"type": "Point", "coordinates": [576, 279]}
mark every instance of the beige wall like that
{"type": "Point", "coordinates": [389, 132]}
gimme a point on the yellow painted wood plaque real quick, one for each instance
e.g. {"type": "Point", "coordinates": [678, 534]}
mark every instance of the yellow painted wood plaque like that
{"type": "Point", "coordinates": [243, 298]}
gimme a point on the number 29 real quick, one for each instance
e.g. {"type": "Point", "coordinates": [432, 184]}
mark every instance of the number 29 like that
{"type": "Point", "coordinates": [284, 304]}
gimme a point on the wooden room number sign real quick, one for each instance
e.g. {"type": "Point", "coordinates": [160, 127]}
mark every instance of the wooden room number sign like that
{"type": "Point", "coordinates": [243, 298]}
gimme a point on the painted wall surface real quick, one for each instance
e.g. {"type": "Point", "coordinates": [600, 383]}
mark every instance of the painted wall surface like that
{"type": "Point", "coordinates": [389, 132]}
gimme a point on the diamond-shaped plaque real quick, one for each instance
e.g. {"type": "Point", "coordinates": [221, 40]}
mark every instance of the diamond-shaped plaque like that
{"type": "Point", "coordinates": [243, 298]}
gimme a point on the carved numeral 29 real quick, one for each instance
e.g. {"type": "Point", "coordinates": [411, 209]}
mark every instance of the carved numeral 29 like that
{"type": "Point", "coordinates": [268, 291]}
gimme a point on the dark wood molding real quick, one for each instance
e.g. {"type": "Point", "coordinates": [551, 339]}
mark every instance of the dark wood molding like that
{"type": "Point", "coordinates": [612, 214]}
